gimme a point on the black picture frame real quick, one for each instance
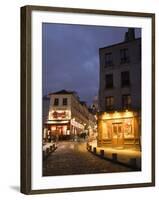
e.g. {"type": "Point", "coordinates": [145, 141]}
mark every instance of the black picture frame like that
{"type": "Point", "coordinates": [26, 107]}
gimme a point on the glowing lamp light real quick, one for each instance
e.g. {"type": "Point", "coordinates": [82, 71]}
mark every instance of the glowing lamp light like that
{"type": "Point", "coordinates": [116, 114]}
{"type": "Point", "coordinates": [105, 115]}
{"type": "Point", "coordinates": [128, 113]}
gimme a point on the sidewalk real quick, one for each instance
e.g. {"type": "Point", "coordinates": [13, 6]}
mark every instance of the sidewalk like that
{"type": "Point", "coordinates": [128, 157]}
{"type": "Point", "coordinates": [48, 148]}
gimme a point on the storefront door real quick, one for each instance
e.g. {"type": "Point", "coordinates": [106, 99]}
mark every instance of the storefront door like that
{"type": "Point", "coordinates": [59, 130]}
{"type": "Point", "coordinates": [117, 135]}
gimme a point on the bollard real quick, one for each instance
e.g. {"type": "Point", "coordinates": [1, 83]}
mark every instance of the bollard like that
{"type": "Point", "coordinates": [88, 147]}
{"type": "Point", "coordinates": [47, 151]}
{"type": "Point", "coordinates": [133, 162]}
{"type": "Point", "coordinates": [114, 156]}
{"type": "Point", "coordinates": [51, 148]}
{"type": "Point", "coordinates": [94, 150]}
{"type": "Point", "coordinates": [102, 152]}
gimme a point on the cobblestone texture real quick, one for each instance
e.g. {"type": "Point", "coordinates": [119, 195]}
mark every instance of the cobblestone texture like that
{"type": "Point", "coordinates": [73, 158]}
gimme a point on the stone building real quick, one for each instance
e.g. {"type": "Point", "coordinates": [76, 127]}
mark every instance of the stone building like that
{"type": "Point", "coordinates": [45, 110]}
{"type": "Point", "coordinates": [120, 93]}
{"type": "Point", "coordinates": [68, 116]}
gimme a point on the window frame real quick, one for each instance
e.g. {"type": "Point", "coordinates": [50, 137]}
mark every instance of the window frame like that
{"type": "Point", "coordinates": [65, 104]}
{"type": "Point", "coordinates": [125, 99]}
{"type": "Point", "coordinates": [125, 82]}
{"type": "Point", "coordinates": [56, 103]}
{"type": "Point", "coordinates": [110, 101]}
{"type": "Point", "coordinates": [109, 85]}
{"type": "Point", "coordinates": [108, 59]}
{"type": "Point", "coordinates": [124, 56]}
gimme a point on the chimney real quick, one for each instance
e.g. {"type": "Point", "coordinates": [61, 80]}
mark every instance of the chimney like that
{"type": "Point", "coordinates": [130, 35]}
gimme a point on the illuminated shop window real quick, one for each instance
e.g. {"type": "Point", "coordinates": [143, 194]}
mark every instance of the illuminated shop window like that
{"type": "Point", "coordinates": [109, 130]}
{"type": "Point", "coordinates": [128, 132]}
{"type": "Point", "coordinates": [106, 130]}
{"type": "Point", "coordinates": [115, 131]}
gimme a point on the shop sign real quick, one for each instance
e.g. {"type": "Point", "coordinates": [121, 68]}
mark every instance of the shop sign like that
{"type": "Point", "coordinates": [77, 124]}
{"type": "Point", "coordinates": [59, 115]}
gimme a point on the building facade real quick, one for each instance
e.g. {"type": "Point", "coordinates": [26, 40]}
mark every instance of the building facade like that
{"type": "Point", "coordinates": [120, 93]}
{"type": "Point", "coordinates": [45, 111]}
{"type": "Point", "coordinates": [94, 106]}
{"type": "Point", "coordinates": [68, 116]}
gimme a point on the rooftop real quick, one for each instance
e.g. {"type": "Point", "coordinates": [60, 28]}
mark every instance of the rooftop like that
{"type": "Point", "coordinates": [63, 92]}
{"type": "Point", "coordinates": [128, 38]}
{"type": "Point", "coordinates": [83, 103]}
{"type": "Point", "coordinates": [120, 43]}
{"type": "Point", "coordinates": [46, 97]}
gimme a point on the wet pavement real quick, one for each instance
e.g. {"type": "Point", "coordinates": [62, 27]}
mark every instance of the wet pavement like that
{"type": "Point", "coordinates": [73, 158]}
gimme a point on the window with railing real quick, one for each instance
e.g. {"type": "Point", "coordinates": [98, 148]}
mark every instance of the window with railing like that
{"type": "Point", "coordinates": [109, 103]}
{"type": "Point", "coordinates": [124, 56]}
{"type": "Point", "coordinates": [108, 60]}
{"type": "Point", "coordinates": [126, 101]}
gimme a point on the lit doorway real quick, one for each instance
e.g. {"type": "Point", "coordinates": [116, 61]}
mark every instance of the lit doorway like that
{"type": "Point", "coordinates": [117, 135]}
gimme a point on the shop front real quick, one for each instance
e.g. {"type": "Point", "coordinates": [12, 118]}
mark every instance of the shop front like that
{"type": "Point", "coordinates": [58, 129]}
{"type": "Point", "coordinates": [58, 124]}
{"type": "Point", "coordinates": [119, 130]}
{"type": "Point", "coordinates": [76, 127]}
{"type": "Point", "coordinates": [64, 129]}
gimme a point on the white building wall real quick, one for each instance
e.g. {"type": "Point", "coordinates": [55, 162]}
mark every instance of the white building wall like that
{"type": "Point", "coordinates": [79, 115]}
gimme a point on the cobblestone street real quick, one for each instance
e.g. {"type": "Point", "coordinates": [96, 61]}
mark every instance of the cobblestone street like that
{"type": "Point", "coordinates": [73, 158]}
